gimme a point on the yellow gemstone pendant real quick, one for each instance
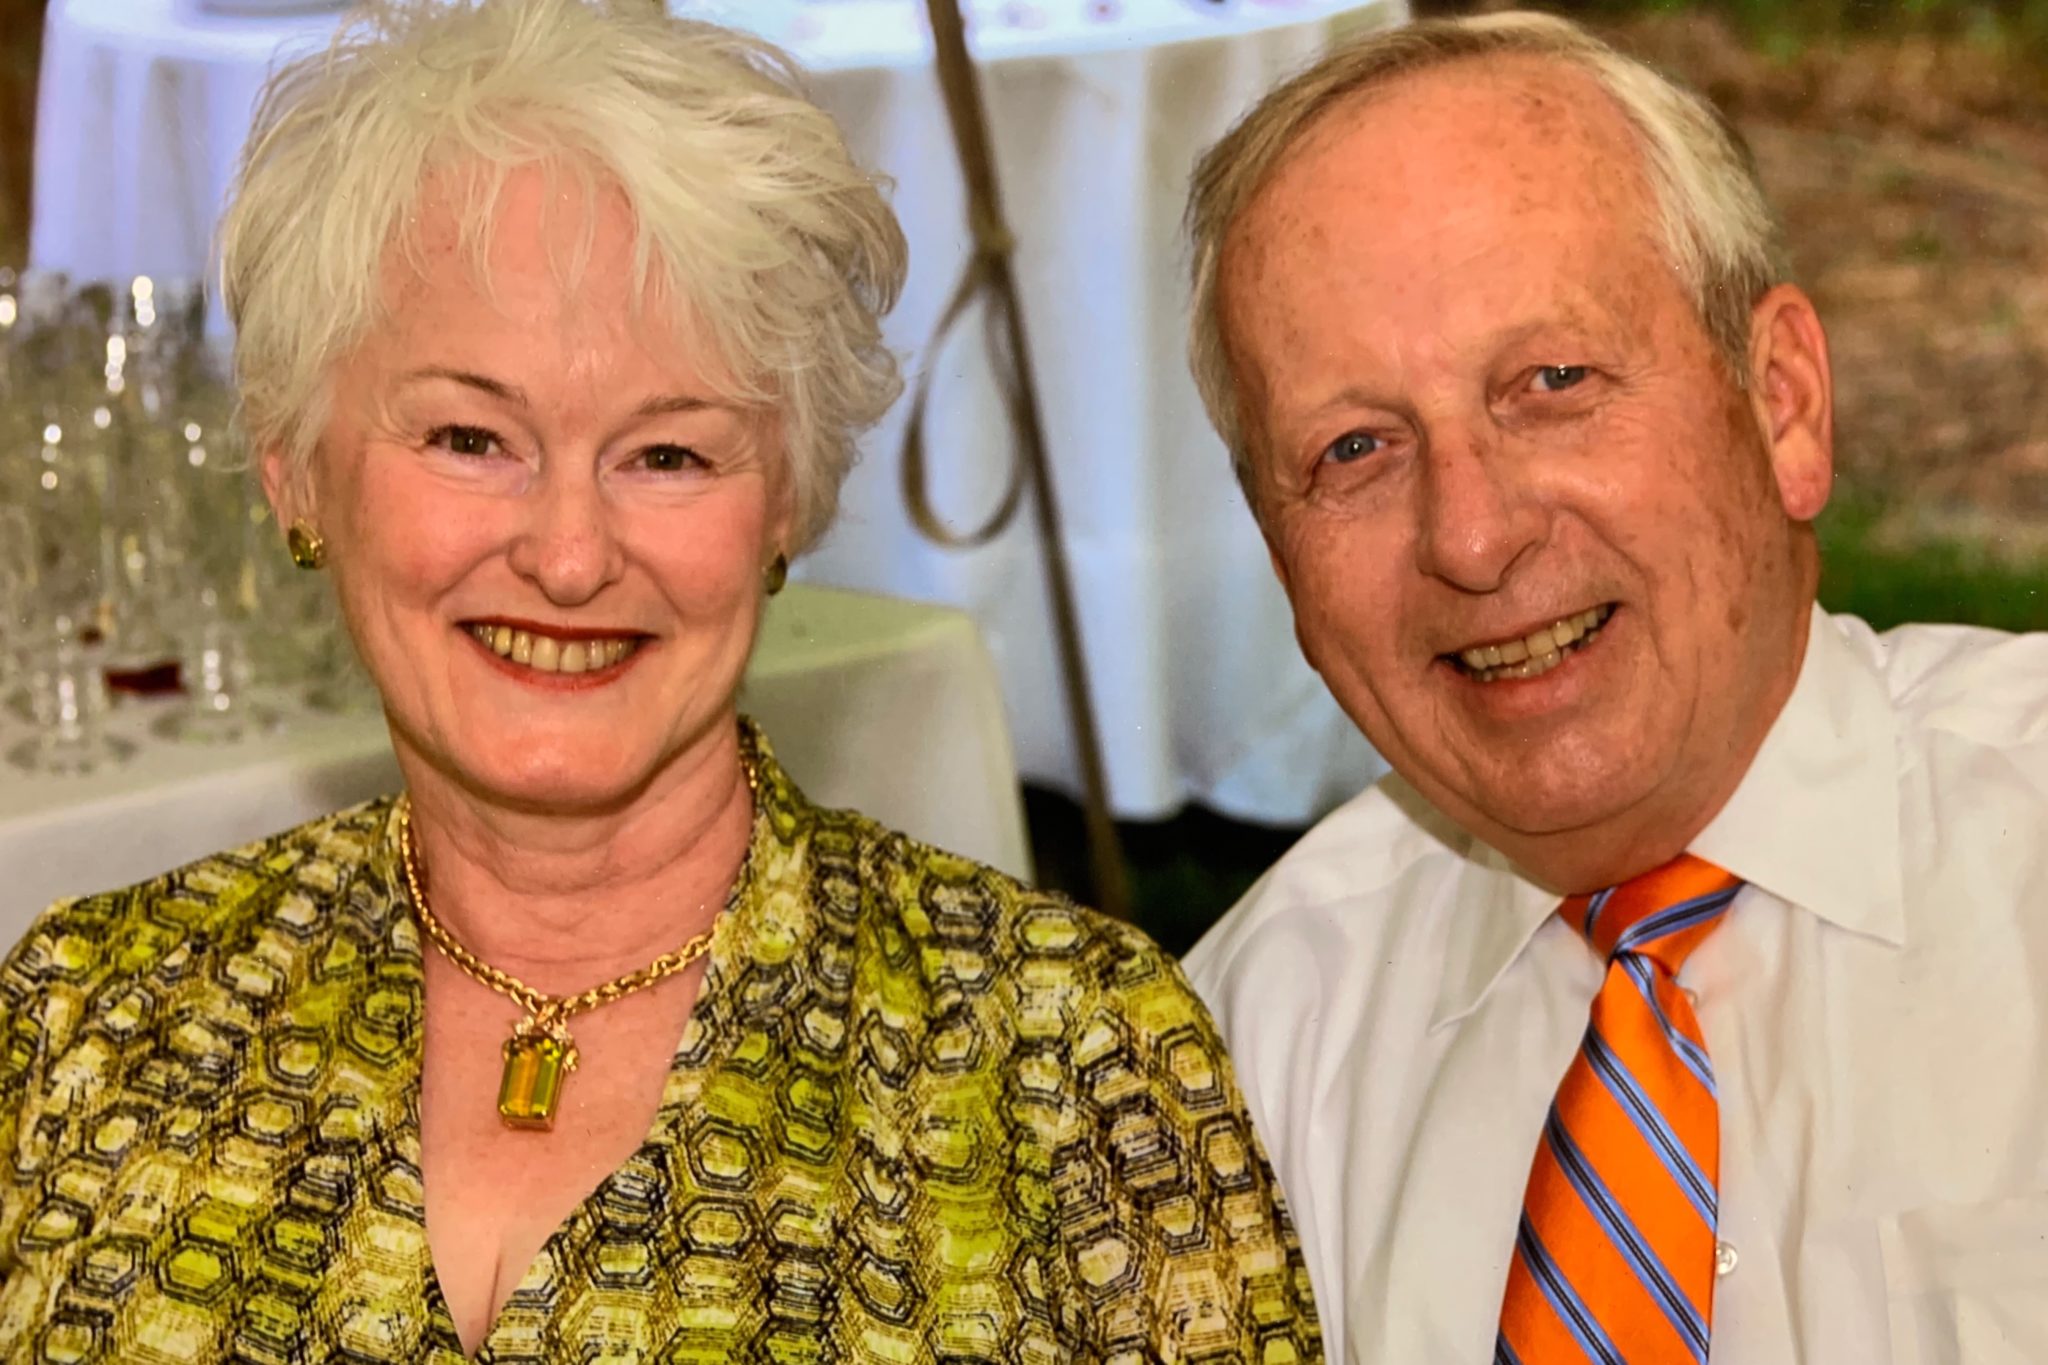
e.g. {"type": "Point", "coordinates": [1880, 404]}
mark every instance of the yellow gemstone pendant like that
{"type": "Point", "coordinates": [535, 1066]}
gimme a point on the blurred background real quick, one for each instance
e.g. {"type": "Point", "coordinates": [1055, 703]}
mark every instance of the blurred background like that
{"type": "Point", "coordinates": [1905, 143]}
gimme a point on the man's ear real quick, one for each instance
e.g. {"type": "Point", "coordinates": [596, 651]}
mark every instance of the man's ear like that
{"type": "Point", "coordinates": [1792, 390]}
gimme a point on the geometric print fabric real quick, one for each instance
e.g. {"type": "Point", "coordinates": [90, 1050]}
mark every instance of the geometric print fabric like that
{"type": "Point", "coordinates": [920, 1113]}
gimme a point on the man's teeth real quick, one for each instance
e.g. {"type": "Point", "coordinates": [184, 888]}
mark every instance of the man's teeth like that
{"type": "Point", "coordinates": [1537, 652]}
{"type": "Point", "coordinates": [545, 654]}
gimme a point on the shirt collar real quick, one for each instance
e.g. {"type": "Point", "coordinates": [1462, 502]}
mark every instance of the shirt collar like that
{"type": "Point", "coordinates": [761, 940]}
{"type": "Point", "coordinates": [1816, 819]}
{"type": "Point", "coordinates": [1815, 822]}
{"type": "Point", "coordinates": [1492, 911]}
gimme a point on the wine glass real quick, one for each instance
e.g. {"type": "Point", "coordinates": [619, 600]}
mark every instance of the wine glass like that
{"type": "Point", "coordinates": [219, 610]}
{"type": "Point", "coordinates": [155, 381]}
{"type": "Point", "coordinates": [55, 458]}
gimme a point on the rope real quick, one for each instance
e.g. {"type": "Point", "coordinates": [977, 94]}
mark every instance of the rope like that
{"type": "Point", "coordinates": [988, 279]}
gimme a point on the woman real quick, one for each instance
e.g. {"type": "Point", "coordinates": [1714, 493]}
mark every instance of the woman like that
{"type": "Point", "coordinates": [555, 325]}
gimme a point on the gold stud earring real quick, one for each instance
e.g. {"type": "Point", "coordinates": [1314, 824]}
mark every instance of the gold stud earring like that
{"type": "Point", "coordinates": [776, 575]}
{"type": "Point", "coordinates": [309, 551]}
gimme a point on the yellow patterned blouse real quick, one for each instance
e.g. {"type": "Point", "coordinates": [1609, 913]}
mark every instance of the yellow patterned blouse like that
{"type": "Point", "coordinates": [921, 1114]}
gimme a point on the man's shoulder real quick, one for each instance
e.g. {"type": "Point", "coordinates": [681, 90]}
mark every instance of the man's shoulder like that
{"type": "Point", "coordinates": [1350, 879]}
{"type": "Point", "coordinates": [1984, 686]}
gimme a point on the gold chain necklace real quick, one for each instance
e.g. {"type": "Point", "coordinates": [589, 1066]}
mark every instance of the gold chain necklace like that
{"type": "Point", "coordinates": [540, 1054]}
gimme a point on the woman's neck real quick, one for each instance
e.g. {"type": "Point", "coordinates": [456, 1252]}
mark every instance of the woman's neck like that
{"type": "Point", "coordinates": [565, 901]}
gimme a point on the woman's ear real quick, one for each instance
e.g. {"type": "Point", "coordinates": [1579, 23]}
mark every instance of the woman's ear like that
{"type": "Point", "coordinates": [782, 509]}
{"type": "Point", "coordinates": [285, 487]}
{"type": "Point", "coordinates": [272, 467]}
{"type": "Point", "coordinates": [1792, 390]}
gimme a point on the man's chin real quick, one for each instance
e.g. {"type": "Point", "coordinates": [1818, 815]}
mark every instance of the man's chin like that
{"type": "Point", "coordinates": [1545, 803]}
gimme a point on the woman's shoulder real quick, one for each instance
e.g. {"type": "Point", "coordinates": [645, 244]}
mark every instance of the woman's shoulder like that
{"type": "Point", "coordinates": [289, 876]}
{"type": "Point", "coordinates": [972, 929]}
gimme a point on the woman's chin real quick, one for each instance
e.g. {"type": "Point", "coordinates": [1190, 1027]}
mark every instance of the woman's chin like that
{"type": "Point", "coordinates": [556, 780]}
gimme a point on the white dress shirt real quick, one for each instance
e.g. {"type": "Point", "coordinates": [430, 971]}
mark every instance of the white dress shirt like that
{"type": "Point", "coordinates": [1401, 1004]}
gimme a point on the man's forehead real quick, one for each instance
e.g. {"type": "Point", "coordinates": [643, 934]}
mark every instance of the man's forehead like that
{"type": "Point", "coordinates": [1529, 131]}
{"type": "Point", "coordinates": [1521, 162]}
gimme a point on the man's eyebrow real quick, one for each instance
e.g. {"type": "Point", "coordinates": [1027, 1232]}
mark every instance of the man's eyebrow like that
{"type": "Point", "coordinates": [508, 392]}
{"type": "Point", "coordinates": [1350, 396]}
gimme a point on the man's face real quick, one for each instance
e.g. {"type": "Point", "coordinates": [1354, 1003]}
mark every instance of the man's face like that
{"type": "Point", "coordinates": [1542, 547]}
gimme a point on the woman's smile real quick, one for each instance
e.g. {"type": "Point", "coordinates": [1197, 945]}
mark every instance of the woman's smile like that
{"type": "Point", "coordinates": [557, 653]}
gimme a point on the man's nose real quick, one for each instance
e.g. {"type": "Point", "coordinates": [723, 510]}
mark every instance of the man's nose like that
{"type": "Point", "coordinates": [1478, 516]}
{"type": "Point", "coordinates": [569, 547]}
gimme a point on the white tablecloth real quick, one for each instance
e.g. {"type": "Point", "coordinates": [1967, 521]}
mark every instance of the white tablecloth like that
{"type": "Point", "coordinates": [1199, 688]}
{"type": "Point", "coordinates": [890, 707]}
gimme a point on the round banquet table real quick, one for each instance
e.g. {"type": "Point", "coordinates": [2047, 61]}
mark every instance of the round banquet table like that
{"type": "Point", "coordinates": [888, 707]}
{"type": "Point", "coordinates": [1099, 109]}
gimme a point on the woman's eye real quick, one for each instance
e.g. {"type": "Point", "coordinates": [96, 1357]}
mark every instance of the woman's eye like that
{"type": "Point", "coordinates": [1557, 378]}
{"type": "Point", "coordinates": [461, 440]}
{"type": "Point", "coordinates": [1351, 447]}
{"type": "Point", "coordinates": [667, 459]}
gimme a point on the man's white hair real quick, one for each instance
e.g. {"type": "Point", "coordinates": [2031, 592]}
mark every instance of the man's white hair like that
{"type": "Point", "coordinates": [748, 210]}
{"type": "Point", "coordinates": [1716, 226]}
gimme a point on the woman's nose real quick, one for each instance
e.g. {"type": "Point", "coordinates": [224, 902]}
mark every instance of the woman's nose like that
{"type": "Point", "coordinates": [569, 547]}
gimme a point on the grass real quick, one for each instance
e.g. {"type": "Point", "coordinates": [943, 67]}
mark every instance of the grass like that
{"type": "Point", "coordinates": [1867, 574]}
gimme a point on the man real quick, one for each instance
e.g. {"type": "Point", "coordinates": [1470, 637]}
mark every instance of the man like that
{"type": "Point", "coordinates": [1495, 323]}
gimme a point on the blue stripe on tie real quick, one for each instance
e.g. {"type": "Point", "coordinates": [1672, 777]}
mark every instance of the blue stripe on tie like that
{"type": "Point", "coordinates": [1571, 1310]}
{"type": "Point", "coordinates": [1683, 915]}
{"type": "Point", "coordinates": [1698, 1189]}
{"type": "Point", "coordinates": [1689, 1052]}
{"type": "Point", "coordinates": [1593, 909]}
{"type": "Point", "coordinates": [1504, 1354]}
{"type": "Point", "coordinates": [1622, 1232]}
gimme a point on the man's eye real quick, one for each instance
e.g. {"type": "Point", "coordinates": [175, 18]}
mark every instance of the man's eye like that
{"type": "Point", "coordinates": [460, 440]}
{"type": "Point", "coordinates": [1557, 378]}
{"type": "Point", "coordinates": [1351, 447]}
{"type": "Point", "coordinates": [666, 459]}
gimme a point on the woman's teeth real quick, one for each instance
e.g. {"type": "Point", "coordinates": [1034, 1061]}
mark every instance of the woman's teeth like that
{"type": "Point", "coordinates": [1536, 653]}
{"type": "Point", "coordinates": [545, 654]}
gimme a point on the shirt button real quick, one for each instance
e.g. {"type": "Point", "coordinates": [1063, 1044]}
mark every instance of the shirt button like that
{"type": "Point", "coordinates": [1692, 997]}
{"type": "Point", "coordinates": [1725, 1259]}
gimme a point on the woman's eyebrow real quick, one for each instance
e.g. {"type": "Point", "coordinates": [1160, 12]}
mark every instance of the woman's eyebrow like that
{"type": "Point", "coordinates": [509, 392]}
{"type": "Point", "coordinates": [679, 402]}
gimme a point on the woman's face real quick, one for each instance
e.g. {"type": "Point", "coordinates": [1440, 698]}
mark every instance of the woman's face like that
{"type": "Point", "coordinates": [546, 528]}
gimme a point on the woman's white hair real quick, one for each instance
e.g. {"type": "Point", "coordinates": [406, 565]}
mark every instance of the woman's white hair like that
{"type": "Point", "coordinates": [747, 205]}
{"type": "Point", "coordinates": [1718, 230]}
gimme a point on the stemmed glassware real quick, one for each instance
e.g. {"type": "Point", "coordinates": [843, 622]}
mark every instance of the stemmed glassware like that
{"type": "Point", "coordinates": [150, 346]}
{"type": "Point", "coordinates": [127, 545]}
{"type": "Point", "coordinates": [137, 558]}
{"type": "Point", "coordinates": [17, 576]}
{"type": "Point", "coordinates": [55, 474]}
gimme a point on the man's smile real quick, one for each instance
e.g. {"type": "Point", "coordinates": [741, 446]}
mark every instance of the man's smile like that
{"type": "Point", "coordinates": [1534, 654]}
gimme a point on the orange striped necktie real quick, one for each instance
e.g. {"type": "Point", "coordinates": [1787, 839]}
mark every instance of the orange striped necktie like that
{"type": "Point", "coordinates": [1614, 1257]}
